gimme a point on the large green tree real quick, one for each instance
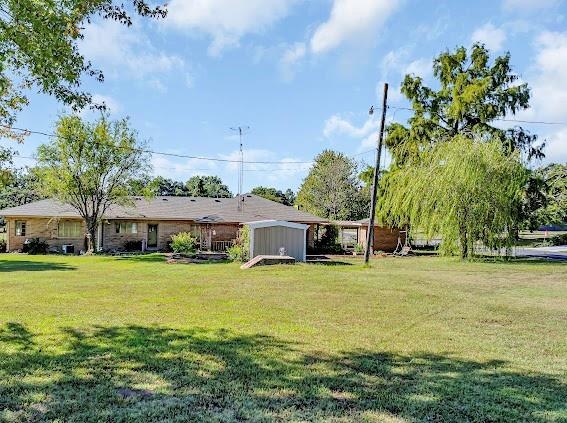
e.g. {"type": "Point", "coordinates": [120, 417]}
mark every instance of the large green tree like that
{"type": "Point", "coordinates": [473, 93]}
{"type": "Point", "coordinates": [287, 198]}
{"type": "Point", "coordinates": [332, 189]}
{"type": "Point", "coordinates": [21, 188]}
{"type": "Point", "coordinates": [462, 189]}
{"type": "Point", "coordinates": [207, 186]}
{"type": "Point", "coordinates": [39, 49]}
{"type": "Point", "coordinates": [88, 166]}
{"type": "Point", "coordinates": [554, 210]}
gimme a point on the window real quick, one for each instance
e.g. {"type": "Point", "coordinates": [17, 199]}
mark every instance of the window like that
{"type": "Point", "coordinates": [126, 228]}
{"type": "Point", "coordinates": [70, 229]}
{"type": "Point", "coordinates": [20, 228]}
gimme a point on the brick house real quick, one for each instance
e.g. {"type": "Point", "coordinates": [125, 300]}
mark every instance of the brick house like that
{"type": "Point", "coordinates": [214, 221]}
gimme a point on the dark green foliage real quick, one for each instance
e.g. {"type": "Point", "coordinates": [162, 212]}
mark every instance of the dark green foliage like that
{"type": "Point", "coordinates": [472, 93]}
{"type": "Point", "coordinates": [21, 188]}
{"type": "Point", "coordinates": [558, 239]}
{"type": "Point", "coordinates": [132, 245]}
{"type": "Point", "coordinates": [286, 198]}
{"type": "Point", "coordinates": [3, 245]}
{"type": "Point", "coordinates": [207, 186]}
{"type": "Point", "coordinates": [329, 241]}
{"type": "Point", "coordinates": [35, 246]}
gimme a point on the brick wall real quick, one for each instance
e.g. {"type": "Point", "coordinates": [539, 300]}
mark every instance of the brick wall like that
{"type": "Point", "coordinates": [218, 232]}
{"type": "Point", "coordinates": [44, 228]}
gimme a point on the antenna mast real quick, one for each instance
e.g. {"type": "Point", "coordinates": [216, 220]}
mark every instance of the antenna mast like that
{"type": "Point", "coordinates": [242, 130]}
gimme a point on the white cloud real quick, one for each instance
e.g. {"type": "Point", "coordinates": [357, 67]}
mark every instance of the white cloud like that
{"type": "Point", "coordinates": [338, 125]}
{"type": "Point", "coordinates": [349, 20]}
{"type": "Point", "coordinates": [547, 78]}
{"type": "Point", "coordinates": [490, 36]}
{"type": "Point", "coordinates": [157, 85]}
{"type": "Point", "coordinates": [126, 49]}
{"type": "Point", "coordinates": [290, 59]}
{"type": "Point", "coordinates": [419, 67]}
{"type": "Point", "coordinates": [226, 21]}
{"type": "Point", "coordinates": [527, 5]}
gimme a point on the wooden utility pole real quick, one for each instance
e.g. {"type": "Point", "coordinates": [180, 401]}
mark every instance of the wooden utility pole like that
{"type": "Point", "coordinates": [370, 232]}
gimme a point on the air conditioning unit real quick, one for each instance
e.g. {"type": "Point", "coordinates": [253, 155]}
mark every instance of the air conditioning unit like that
{"type": "Point", "coordinates": [68, 249]}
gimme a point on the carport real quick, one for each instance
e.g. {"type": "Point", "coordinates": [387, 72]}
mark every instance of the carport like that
{"type": "Point", "coordinates": [269, 237]}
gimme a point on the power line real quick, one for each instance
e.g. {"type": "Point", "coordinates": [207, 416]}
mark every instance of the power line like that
{"type": "Point", "coordinates": [161, 153]}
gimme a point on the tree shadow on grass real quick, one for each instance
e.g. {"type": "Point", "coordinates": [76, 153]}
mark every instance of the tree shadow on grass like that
{"type": "Point", "coordinates": [31, 266]}
{"type": "Point", "coordinates": [135, 373]}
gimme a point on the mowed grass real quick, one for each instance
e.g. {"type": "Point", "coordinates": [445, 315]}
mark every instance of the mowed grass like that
{"type": "Point", "coordinates": [416, 339]}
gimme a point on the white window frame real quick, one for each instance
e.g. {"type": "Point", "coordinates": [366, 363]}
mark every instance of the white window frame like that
{"type": "Point", "coordinates": [22, 225]}
{"type": "Point", "coordinates": [130, 228]}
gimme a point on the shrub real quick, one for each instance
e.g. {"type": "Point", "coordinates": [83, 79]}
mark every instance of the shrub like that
{"type": "Point", "coordinates": [359, 248]}
{"type": "Point", "coordinates": [35, 246]}
{"type": "Point", "coordinates": [329, 241]}
{"type": "Point", "coordinates": [133, 245]}
{"type": "Point", "coordinates": [558, 240]}
{"type": "Point", "coordinates": [183, 243]}
{"type": "Point", "coordinates": [236, 253]}
{"type": "Point", "coordinates": [3, 246]}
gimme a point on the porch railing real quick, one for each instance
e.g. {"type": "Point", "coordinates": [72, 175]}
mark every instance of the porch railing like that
{"type": "Point", "coordinates": [221, 246]}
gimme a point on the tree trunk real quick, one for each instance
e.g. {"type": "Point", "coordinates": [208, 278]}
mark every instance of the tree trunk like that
{"type": "Point", "coordinates": [91, 236]}
{"type": "Point", "coordinates": [464, 244]}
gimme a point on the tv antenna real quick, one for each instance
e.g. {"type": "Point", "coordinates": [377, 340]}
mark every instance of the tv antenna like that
{"type": "Point", "coordinates": [242, 130]}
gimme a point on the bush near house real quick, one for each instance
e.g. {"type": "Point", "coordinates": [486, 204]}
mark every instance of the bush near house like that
{"type": "Point", "coordinates": [184, 243]}
{"type": "Point", "coordinates": [3, 245]}
{"type": "Point", "coordinates": [133, 245]}
{"type": "Point", "coordinates": [35, 246]}
{"type": "Point", "coordinates": [559, 240]}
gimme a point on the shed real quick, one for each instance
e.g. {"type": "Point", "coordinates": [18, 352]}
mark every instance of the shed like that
{"type": "Point", "coordinates": [268, 237]}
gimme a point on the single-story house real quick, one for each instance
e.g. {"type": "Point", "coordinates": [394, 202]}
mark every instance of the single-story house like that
{"type": "Point", "coordinates": [214, 221]}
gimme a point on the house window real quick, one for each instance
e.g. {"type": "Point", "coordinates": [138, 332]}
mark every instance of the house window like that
{"type": "Point", "coordinates": [20, 228]}
{"type": "Point", "coordinates": [126, 228]}
{"type": "Point", "coordinates": [70, 229]}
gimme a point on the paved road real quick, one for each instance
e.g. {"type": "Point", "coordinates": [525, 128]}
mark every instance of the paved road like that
{"type": "Point", "coordinates": [555, 253]}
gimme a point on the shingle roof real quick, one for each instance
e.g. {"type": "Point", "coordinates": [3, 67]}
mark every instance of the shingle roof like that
{"type": "Point", "coordinates": [206, 210]}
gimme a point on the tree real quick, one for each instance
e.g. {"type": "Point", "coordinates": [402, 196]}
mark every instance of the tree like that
{"type": "Point", "coordinates": [287, 198]}
{"type": "Point", "coordinates": [332, 189]}
{"type": "Point", "coordinates": [463, 190]}
{"type": "Point", "coordinates": [207, 186]}
{"type": "Point", "coordinates": [554, 210]}
{"type": "Point", "coordinates": [89, 165]}
{"type": "Point", "coordinates": [473, 94]}
{"type": "Point", "coordinates": [39, 45]}
{"type": "Point", "coordinates": [20, 189]}
{"type": "Point", "coordinates": [6, 156]}
{"type": "Point", "coordinates": [168, 187]}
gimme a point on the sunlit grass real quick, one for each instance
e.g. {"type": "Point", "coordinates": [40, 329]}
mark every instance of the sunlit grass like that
{"type": "Point", "coordinates": [426, 339]}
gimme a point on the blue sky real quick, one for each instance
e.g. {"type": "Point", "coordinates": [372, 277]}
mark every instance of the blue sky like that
{"type": "Point", "coordinates": [301, 73]}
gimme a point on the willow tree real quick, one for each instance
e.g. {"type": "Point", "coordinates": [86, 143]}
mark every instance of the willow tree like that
{"type": "Point", "coordinates": [89, 166]}
{"type": "Point", "coordinates": [464, 190]}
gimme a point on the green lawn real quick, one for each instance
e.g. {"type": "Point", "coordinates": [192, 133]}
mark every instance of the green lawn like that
{"type": "Point", "coordinates": [416, 339]}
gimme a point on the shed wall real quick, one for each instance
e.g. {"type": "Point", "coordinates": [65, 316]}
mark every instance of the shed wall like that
{"type": "Point", "coordinates": [268, 241]}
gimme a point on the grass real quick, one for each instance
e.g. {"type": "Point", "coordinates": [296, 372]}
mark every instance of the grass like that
{"type": "Point", "coordinates": [417, 339]}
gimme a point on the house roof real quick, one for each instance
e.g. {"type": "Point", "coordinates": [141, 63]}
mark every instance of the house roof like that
{"type": "Point", "coordinates": [271, 223]}
{"type": "Point", "coordinates": [198, 209]}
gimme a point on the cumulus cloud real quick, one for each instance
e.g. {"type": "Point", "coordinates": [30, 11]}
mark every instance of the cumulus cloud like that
{"type": "Point", "coordinates": [290, 60]}
{"type": "Point", "coordinates": [226, 21]}
{"type": "Point", "coordinates": [337, 125]}
{"type": "Point", "coordinates": [547, 78]}
{"type": "Point", "coordinates": [351, 19]}
{"type": "Point", "coordinates": [127, 49]}
{"type": "Point", "coordinates": [490, 36]}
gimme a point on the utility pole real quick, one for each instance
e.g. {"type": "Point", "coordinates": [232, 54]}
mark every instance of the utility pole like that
{"type": "Point", "coordinates": [241, 131]}
{"type": "Point", "coordinates": [370, 231]}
